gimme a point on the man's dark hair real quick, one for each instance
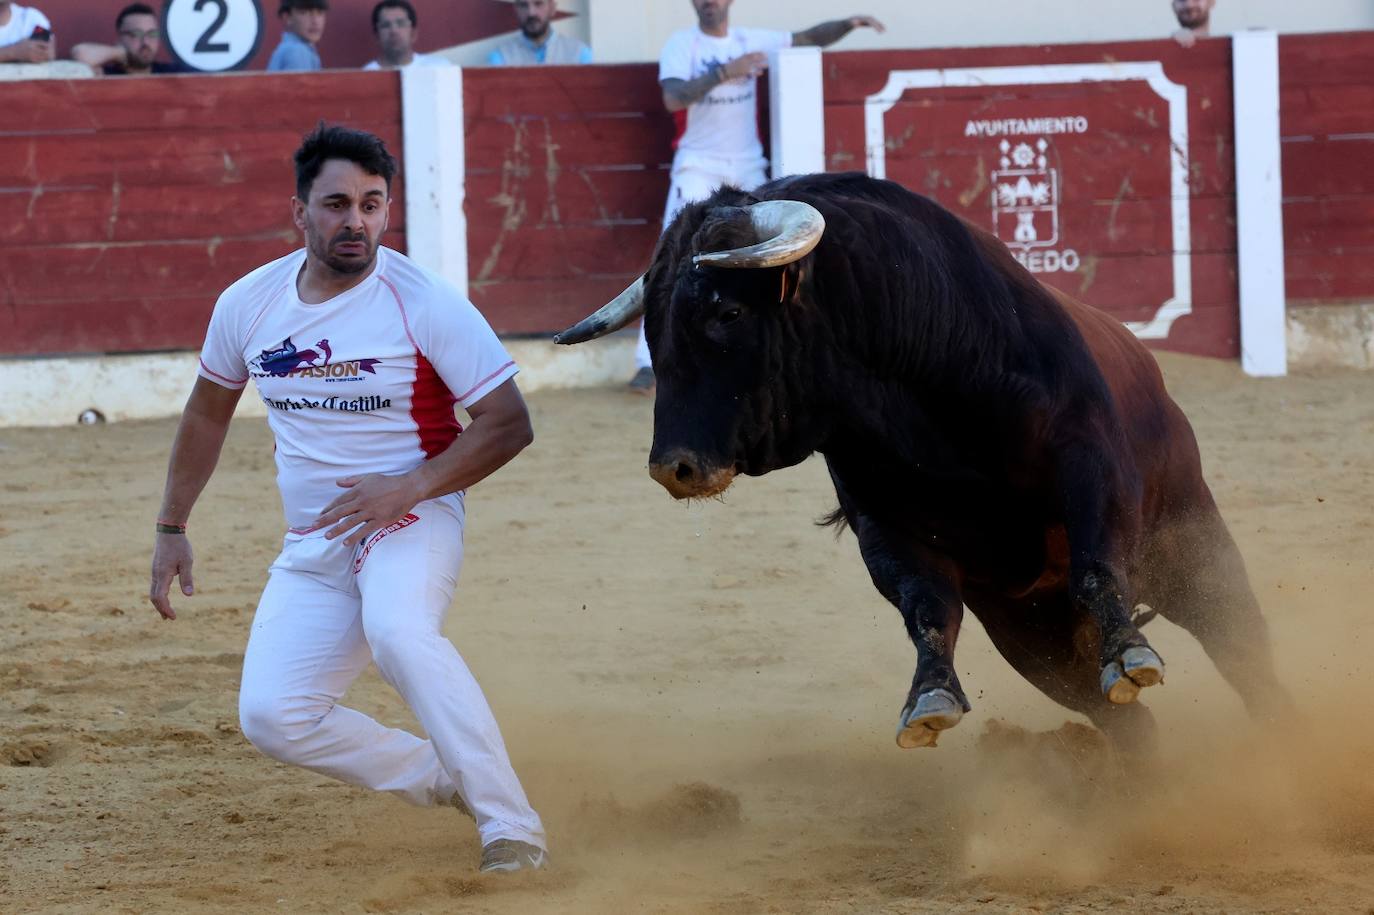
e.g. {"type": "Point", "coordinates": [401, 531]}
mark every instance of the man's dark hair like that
{"type": "Point", "coordinates": [134, 9]}
{"type": "Point", "coordinates": [332, 141]}
{"type": "Point", "coordinates": [393, 4]}
{"type": "Point", "coordinates": [289, 5]}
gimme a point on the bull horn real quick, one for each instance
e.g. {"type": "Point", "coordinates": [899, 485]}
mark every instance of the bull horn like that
{"type": "Point", "coordinates": [612, 316]}
{"type": "Point", "coordinates": [789, 228]}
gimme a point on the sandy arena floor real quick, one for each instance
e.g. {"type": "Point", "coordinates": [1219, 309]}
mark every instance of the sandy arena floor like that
{"type": "Point", "coordinates": [701, 699]}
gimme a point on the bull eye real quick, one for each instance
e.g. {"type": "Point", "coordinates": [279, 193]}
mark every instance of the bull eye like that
{"type": "Point", "coordinates": [728, 316]}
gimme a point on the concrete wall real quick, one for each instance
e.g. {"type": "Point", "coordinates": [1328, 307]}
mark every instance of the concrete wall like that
{"type": "Point", "coordinates": [631, 30]}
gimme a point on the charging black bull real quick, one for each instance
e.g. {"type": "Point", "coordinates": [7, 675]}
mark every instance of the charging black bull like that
{"type": "Point", "coordinates": [993, 443]}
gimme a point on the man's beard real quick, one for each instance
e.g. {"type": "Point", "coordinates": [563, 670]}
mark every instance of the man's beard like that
{"type": "Point", "coordinates": [323, 253]}
{"type": "Point", "coordinates": [528, 25]}
{"type": "Point", "coordinates": [1192, 19]}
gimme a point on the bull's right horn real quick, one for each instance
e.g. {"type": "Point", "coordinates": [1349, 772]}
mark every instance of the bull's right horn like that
{"type": "Point", "coordinates": [609, 318]}
{"type": "Point", "coordinates": [789, 229]}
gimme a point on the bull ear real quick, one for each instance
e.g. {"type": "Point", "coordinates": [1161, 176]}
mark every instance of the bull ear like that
{"type": "Point", "coordinates": [791, 278]}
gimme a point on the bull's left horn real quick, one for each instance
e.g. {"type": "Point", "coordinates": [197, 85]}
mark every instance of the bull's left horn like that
{"type": "Point", "coordinates": [789, 229]}
{"type": "Point", "coordinates": [609, 318]}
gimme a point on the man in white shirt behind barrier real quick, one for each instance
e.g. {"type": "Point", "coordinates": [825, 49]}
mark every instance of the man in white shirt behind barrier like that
{"type": "Point", "coordinates": [359, 355]}
{"type": "Point", "coordinates": [396, 28]}
{"type": "Point", "coordinates": [709, 76]}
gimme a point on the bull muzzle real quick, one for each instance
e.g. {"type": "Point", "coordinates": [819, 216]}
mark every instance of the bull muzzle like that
{"type": "Point", "coordinates": [686, 476]}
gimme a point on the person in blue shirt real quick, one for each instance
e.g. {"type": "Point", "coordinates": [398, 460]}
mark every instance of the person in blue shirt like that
{"type": "Point", "coordinates": [303, 21]}
{"type": "Point", "coordinates": [537, 42]}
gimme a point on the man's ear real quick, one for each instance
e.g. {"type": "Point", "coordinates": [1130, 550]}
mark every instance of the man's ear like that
{"type": "Point", "coordinates": [298, 212]}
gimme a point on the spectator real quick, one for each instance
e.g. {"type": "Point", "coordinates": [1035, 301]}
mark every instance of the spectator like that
{"type": "Point", "coordinates": [395, 25]}
{"type": "Point", "coordinates": [538, 42]}
{"type": "Point", "coordinates": [139, 41]}
{"type": "Point", "coordinates": [303, 21]}
{"type": "Point", "coordinates": [708, 75]}
{"type": "Point", "coordinates": [25, 35]}
{"type": "Point", "coordinates": [1194, 19]}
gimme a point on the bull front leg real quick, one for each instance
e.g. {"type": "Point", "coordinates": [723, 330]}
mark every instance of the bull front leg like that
{"type": "Point", "coordinates": [925, 590]}
{"type": "Point", "coordinates": [1100, 502]}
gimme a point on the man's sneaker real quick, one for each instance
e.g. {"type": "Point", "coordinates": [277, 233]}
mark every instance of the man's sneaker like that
{"type": "Point", "coordinates": [511, 855]}
{"type": "Point", "coordinates": [643, 382]}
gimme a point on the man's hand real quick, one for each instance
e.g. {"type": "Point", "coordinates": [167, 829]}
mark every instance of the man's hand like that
{"type": "Point", "coordinates": [746, 66]}
{"type": "Point", "coordinates": [866, 22]}
{"type": "Point", "coordinates": [171, 558]}
{"type": "Point", "coordinates": [373, 501]}
{"type": "Point", "coordinates": [28, 51]}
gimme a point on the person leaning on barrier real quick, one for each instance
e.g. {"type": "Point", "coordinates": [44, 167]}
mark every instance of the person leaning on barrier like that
{"type": "Point", "coordinates": [140, 39]}
{"type": "Point", "coordinates": [709, 76]}
{"type": "Point", "coordinates": [1194, 20]}
{"type": "Point", "coordinates": [303, 24]}
{"type": "Point", "coordinates": [538, 42]}
{"type": "Point", "coordinates": [25, 35]}
{"type": "Point", "coordinates": [396, 27]}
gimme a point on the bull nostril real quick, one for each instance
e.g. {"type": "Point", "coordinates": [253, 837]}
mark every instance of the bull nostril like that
{"type": "Point", "coordinates": [684, 472]}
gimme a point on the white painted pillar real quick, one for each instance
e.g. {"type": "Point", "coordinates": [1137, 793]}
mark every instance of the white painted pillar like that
{"type": "Point", "coordinates": [434, 170]}
{"type": "Point", "coordinates": [796, 100]}
{"type": "Point", "coordinates": [1259, 203]}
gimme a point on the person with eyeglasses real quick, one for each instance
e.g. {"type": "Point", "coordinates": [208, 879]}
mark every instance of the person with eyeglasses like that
{"type": "Point", "coordinates": [140, 40]}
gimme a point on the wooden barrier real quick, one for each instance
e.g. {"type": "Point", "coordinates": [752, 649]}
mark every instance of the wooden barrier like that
{"type": "Point", "coordinates": [140, 200]}
{"type": "Point", "coordinates": [1326, 86]}
{"type": "Point", "coordinates": [567, 174]}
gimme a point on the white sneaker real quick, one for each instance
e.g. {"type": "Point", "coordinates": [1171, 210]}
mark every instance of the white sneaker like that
{"type": "Point", "coordinates": [505, 855]}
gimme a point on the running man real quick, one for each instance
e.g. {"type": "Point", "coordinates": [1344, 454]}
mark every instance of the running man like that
{"type": "Point", "coordinates": [360, 355]}
{"type": "Point", "coordinates": [709, 76]}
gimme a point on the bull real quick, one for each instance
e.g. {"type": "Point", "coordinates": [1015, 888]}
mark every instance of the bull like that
{"type": "Point", "coordinates": [993, 443]}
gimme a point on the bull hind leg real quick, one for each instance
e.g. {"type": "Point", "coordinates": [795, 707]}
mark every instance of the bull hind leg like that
{"type": "Point", "coordinates": [1055, 647]}
{"type": "Point", "coordinates": [1194, 576]}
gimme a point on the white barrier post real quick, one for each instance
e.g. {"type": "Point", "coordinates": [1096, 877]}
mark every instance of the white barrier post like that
{"type": "Point", "coordinates": [1259, 203]}
{"type": "Point", "coordinates": [435, 170]}
{"type": "Point", "coordinates": [796, 100]}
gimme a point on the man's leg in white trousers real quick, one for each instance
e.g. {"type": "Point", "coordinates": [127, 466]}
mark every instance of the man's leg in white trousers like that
{"type": "Point", "coordinates": [306, 646]}
{"type": "Point", "coordinates": [407, 579]}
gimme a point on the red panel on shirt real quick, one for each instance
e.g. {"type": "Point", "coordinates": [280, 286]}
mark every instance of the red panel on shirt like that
{"type": "Point", "coordinates": [431, 406]}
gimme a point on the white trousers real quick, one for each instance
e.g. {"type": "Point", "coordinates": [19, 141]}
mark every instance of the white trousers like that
{"type": "Point", "coordinates": [326, 612]}
{"type": "Point", "coordinates": [695, 178]}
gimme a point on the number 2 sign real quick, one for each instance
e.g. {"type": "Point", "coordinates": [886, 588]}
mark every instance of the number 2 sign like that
{"type": "Point", "coordinates": [212, 35]}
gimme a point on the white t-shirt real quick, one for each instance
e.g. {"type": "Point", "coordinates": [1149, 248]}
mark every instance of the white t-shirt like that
{"type": "Point", "coordinates": [724, 124]}
{"type": "Point", "coordinates": [416, 60]}
{"type": "Point", "coordinates": [23, 20]}
{"type": "Point", "coordinates": [362, 383]}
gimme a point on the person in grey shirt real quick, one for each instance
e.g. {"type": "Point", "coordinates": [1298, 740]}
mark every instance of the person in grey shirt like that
{"type": "Point", "coordinates": [537, 42]}
{"type": "Point", "coordinates": [303, 21]}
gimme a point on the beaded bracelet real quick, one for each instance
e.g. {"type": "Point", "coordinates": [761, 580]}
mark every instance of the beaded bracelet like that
{"type": "Point", "coordinates": [164, 527]}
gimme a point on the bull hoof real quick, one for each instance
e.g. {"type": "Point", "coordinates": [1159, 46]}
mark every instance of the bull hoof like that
{"type": "Point", "coordinates": [935, 711]}
{"type": "Point", "coordinates": [1139, 667]}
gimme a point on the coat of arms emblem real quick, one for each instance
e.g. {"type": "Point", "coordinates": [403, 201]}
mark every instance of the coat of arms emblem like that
{"type": "Point", "coordinates": [1025, 196]}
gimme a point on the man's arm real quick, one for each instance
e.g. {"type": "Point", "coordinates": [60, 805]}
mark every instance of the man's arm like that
{"type": "Point", "coordinates": [500, 429]}
{"type": "Point", "coordinates": [96, 55]}
{"type": "Point", "coordinates": [827, 33]}
{"type": "Point", "coordinates": [679, 93]}
{"type": "Point", "coordinates": [28, 51]}
{"type": "Point", "coordinates": [195, 451]}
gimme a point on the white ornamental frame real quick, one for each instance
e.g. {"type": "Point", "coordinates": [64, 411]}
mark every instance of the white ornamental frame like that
{"type": "Point", "coordinates": [1152, 72]}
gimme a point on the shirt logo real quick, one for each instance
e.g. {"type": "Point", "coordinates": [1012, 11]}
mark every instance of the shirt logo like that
{"type": "Point", "coordinates": [285, 361]}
